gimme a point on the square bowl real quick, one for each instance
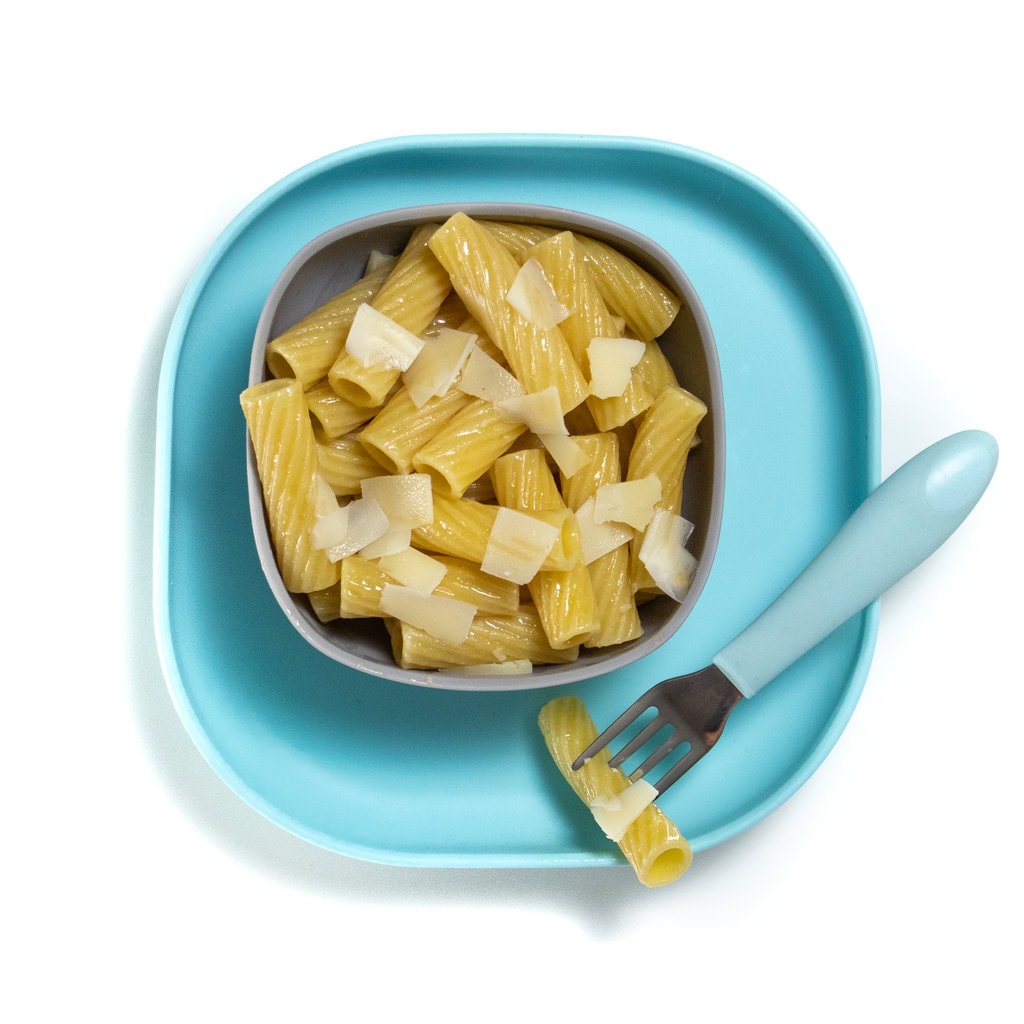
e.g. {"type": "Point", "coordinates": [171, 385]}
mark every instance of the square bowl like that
{"type": "Point", "coordinates": [334, 261]}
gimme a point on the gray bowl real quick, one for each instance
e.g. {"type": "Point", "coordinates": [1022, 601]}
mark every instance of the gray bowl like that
{"type": "Point", "coordinates": [335, 260]}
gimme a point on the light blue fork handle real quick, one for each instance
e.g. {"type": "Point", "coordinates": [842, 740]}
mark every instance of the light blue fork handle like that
{"type": "Point", "coordinates": [895, 529]}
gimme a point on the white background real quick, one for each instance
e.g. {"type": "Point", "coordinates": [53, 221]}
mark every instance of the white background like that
{"type": "Point", "coordinates": [136, 886]}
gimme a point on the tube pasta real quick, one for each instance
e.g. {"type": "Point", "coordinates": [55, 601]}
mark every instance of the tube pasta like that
{"type": "Point", "coordinates": [325, 603]}
{"type": "Point", "coordinates": [482, 271]}
{"type": "Point", "coordinates": [345, 464]}
{"type": "Point", "coordinates": [576, 286]}
{"type": "Point", "coordinates": [334, 414]}
{"type": "Point", "coordinates": [492, 639]}
{"type": "Point", "coordinates": [308, 350]}
{"type": "Point", "coordinates": [466, 446]}
{"type": "Point", "coordinates": [564, 598]}
{"type": "Point", "coordinates": [663, 442]}
{"type": "Point", "coordinates": [411, 295]}
{"type": "Point", "coordinates": [646, 305]}
{"type": "Point", "coordinates": [282, 438]}
{"type": "Point", "coordinates": [399, 429]}
{"type": "Point", "coordinates": [655, 370]}
{"type": "Point", "coordinates": [662, 447]}
{"type": "Point", "coordinates": [653, 845]}
{"type": "Point", "coordinates": [611, 576]}
{"type": "Point", "coordinates": [518, 238]}
{"type": "Point", "coordinates": [361, 585]}
{"type": "Point", "coordinates": [325, 423]}
{"type": "Point", "coordinates": [466, 581]}
{"type": "Point", "coordinates": [461, 527]}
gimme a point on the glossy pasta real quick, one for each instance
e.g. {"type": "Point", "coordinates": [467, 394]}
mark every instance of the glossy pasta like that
{"type": "Point", "coordinates": [465, 448]}
{"type": "Point", "coordinates": [652, 845]}
{"type": "Point", "coordinates": [575, 282]}
{"type": "Point", "coordinates": [329, 423]}
{"type": "Point", "coordinates": [411, 296]}
{"type": "Point", "coordinates": [286, 458]}
{"type": "Point", "coordinates": [617, 617]}
{"type": "Point", "coordinates": [647, 306]}
{"type": "Point", "coordinates": [308, 350]}
{"type": "Point", "coordinates": [564, 598]}
{"type": "Point", "coordinates": [492, 639]}
{"type": "Point", "coordinates": [482, 272]}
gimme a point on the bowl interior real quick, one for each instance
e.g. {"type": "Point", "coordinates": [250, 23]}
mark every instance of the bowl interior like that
{"type": "Point", "coordinates": [335, 260]}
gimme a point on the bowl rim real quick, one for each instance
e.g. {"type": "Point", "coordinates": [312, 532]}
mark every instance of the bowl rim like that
{"type": "Point", "coordinates": [645, 251]}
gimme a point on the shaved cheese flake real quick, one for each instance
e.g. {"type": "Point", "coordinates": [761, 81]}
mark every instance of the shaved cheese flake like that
{"type": "Point", "coordinates": [541, 411]}
{"type": "Point", "coordinates": [533, 297]}
{"type": "Point", "coordinates": [631, 501]}
{"type": "Point", "coordinates": [378, 260]}
{"type": "Point", "coordinates": [567, 453]}
{"type": "Point", "coordinates": [331, 528]}
{"type": "Point", "coordinates": [407, 499]}
{"type": "Point", "coordinates": [664, 555]}
{"type": "Point", "coordinates": [389, 543]}
{"type": "Point", "coordinates": [414, 569]}
{"type": "Point", "coordinates": [515, 667]}
{"type": "Point", "coordinates": [596, 538]}
{"type": "Point", "coordinates": [440, 361]}
{"type": "Point", "coordinates": [484, 377]}
{"type": "Point", "coordinates": [326, 500]}
{"type": "Point", "coordinates": [517, 546]}
{"type": "Point", "coordinates": [366, 523]}
{"type": "Point", "coordinates": [615, 813]}
{"type": "Point", "coordinates": [444, 618]}
{"type": "Point", "coordinates": [376, 340]}
{"type": "Point", "coordinates": [611, 364]}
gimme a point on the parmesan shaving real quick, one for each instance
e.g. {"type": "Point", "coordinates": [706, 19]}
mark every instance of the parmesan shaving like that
{"type": "Point", "coordinates": [444, 618]}
{"type": "Point", "coordinates": [378, 260]}
{"type": "Point", "coordinates": [611, 364]}
{"type": "Point", "coordinates": [516, 667]}
{"type": "Point", "coordinates": [406, 499]}
{"type": "Point", "coordinates": [439, 363]}
{"type": "Point", "coordinates": [414, 569]}
{"type": "Point", "coordinates": [330, 528]}
{"type": "Point", "coordinates": [517, 546]}
{"type": "Point", "coordinates": [631, 501]}
{"type": "Point", "coordinates": [540, 411]}
{"type": "Point", "coordinates": [326, 499]}
{"type": "Point", "coordinates": [569, 456]}
{"type": "Point", "coordinates": [596, 538]}
{"type": "Point", "coordinates": [664, 555]}
{"type": "Point", "coordinates": [533, 297]}
{"type": "Point", "coordinates": [615, 813]}
{"type": "Point", "coordinates": [484, 377]}
{"type": "Point", "coordinates": [374, 339]}
{"type": "Point", "coordinates": [366, 523]}
{"type": "Point", "coordinates": [389, 543]}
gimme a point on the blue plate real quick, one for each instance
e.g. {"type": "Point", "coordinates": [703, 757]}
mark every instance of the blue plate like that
{"type": "Point", "coordinates": [386, 772]}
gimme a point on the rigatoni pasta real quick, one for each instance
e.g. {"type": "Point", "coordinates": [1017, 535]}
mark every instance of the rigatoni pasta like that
{"type": "Point", "coordinates": [564, 598]}
{"type": "Point", "coordinates": [482, 272]}
{"type": "Point", "coordinates": [282, 439]}
{"type": "Point", "coordinates": [411, 296]}
{"type": "Point", "coordinates": [652, 844]}
{"type": "Point", "coordinates": [308, 350]}
{"type": "Point", "coordinates": [542, 384]}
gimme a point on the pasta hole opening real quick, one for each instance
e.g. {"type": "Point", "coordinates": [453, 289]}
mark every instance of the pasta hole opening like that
{"type": "Point", "coordinates": [354, 392]}
{"type": "Point", "coordinates": [379, 455]}
{"type": "Point", "coordinates": [279, 366]}
{"type": "Point", "coordinates": [667, 866]}
{"type": "Point", "coordinates": [442, 483]}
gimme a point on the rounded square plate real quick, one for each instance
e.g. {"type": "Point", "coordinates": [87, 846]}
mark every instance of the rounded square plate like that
{"type": "Point", "coordinates": [408, 775]}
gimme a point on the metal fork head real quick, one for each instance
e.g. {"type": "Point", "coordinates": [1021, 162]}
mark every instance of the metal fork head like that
{"type": "Point", "coordinates": [693, 707]}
